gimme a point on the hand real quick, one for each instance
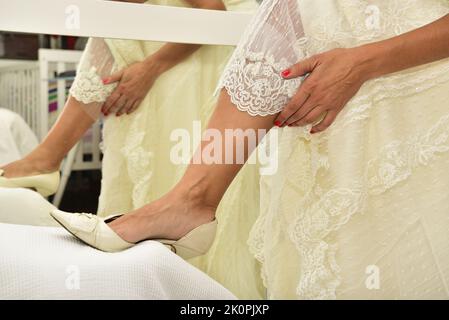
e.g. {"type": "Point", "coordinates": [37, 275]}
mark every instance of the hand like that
{"type": "Point", "coordinates": [333, 79]}
{"type": "Point", "coordinates": [134, 83]}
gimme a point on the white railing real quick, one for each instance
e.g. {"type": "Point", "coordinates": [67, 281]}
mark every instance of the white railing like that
{"type": "Point", "coordinates": [19, 92]}
{"type": "Point", "coordinates": [25, 89]}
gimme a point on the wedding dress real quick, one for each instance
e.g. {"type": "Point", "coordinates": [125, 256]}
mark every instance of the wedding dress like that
{"type": "Point", "coordinates": [136, 166]}
{"type": "Point", "coordinates": [358, 211]}
{"type": "Point", "coordinates": [361, 210]}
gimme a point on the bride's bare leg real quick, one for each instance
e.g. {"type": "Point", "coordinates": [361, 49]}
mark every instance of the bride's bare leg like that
{"type": "Point", "coordinates": [47, 157]}
{"type": "Point", "coordinates": [193, 201]}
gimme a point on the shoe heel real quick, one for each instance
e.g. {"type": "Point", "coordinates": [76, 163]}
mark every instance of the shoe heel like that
{"type": "Point", "coordinates": [196, 243]}
{"type": "Point", "coordinates": [45, 192]}
{"type": "Point", "coordinates": [50, 187]}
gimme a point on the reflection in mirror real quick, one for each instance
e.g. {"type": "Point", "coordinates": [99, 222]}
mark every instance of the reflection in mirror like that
{"type": "Point", "coordinates": [31, 71]}
{"type": "Point", "coordinates": [43, 77]}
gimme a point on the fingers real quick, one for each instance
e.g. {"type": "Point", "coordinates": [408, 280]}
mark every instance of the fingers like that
{"type": "Point", "coordinates": [128, 108]}
{"type": "Point", "coordinates": [297, 102]}
{"type": "Point", "coordinates": [300, 69]}
{"type": "Point", "coordinates": [292, 107]}
{"type": "Point", "coordinates": [121, 103]}
{"type": "Point", "coordinates": [325, 123]}
{"type": "Point", "coordinates": [134, 106]}
{"type": "Point", "coordinates": [116, 77]}
{"type": "Point", "coordinates": [303, 108]}
{"type": "Point", "coordinates": [113, 98]}
{"type": "Point", "coordinates": [115, 102]}
{"type": "Point", "coordinates": [110, 102]}
{"type": "Point", "coordinates": [309, 118]}
{"type": "Point", "coordinates": [124, 109]}
{"type": "Point", "coordinates": [301, 111]}
{"type": "Point", "coordinates": [299, 116]}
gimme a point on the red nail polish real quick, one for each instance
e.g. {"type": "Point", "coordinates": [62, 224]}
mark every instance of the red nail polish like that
{"type": "Point", "coordinates": [105, 81]}
{"type": "Point", "coordinates": [286, 73]}
{"type": "Point", "coordinates": [312, 131]}
{"type": "Point", "coordinates": [277, 123]}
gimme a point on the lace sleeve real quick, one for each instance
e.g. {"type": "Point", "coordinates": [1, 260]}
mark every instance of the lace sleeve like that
{"type": "Point", "coordinates": [270, 44]}
{"type": "Point", "coordinates": [96, 63]}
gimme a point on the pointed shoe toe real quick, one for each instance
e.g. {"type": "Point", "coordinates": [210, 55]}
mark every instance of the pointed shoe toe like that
{"type": "Point", "coordinates": [92, 230]}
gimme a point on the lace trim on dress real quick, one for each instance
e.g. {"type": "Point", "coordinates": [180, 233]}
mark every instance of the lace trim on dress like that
{"type": "Point", "coordinates": [255, 85]}
{"type": "Point", "coordinates": [96, 63]}
{"type": "Point", "coordinates": [396, 86]}
{"type": "Point", "coordinates": [89, 87]}
{"type": "Point", "coordinates": [139, 164]}
{"type": "Point", "coordinates": [398, 159]}
{"type": "Point", "coordinates": [252, 78]}
{"type": "Point", "coordinates": [322, 212]}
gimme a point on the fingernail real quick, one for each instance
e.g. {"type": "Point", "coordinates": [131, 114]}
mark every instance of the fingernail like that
{"type": "Point", "coordinates": [286, 73]}
{"type": "Point", "coordinates": [312, 131]}
{"type": "Point", "coordinates": [277, 123]}
{"type": "Point", "coordinates": [105, 81]}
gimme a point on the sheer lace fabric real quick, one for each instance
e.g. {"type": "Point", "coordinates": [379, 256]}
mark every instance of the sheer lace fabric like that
{"type": "Point", "coordinates": [372, 189]}
{"type": "Point", "coordinates": [96, 64]}
{"type": "Point", "coordinates": [253, 75]}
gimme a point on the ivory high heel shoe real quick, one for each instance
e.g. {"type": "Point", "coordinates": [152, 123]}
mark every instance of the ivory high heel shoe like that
{"type": "Point", "coordinates": [95, 232]}
{"type": "Point", "coordinates": [46, 184]}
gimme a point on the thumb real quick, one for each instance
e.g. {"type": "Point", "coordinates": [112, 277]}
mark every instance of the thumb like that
{"type": "Point", "coordinates": [300, 69]}
{"type": "Point", "coordinates": [113, 78]}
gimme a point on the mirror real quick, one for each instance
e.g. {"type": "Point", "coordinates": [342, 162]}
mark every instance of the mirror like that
{"type": "Point", "coordinates": [22, 51]}
{"type": "Point", "coordinates": [38, 70]}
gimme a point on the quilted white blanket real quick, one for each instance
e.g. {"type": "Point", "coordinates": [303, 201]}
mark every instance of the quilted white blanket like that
{"type": "Point", "coordinates": [41, 262]}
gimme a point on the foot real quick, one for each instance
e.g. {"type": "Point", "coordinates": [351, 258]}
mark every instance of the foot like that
{"type": "Point", "coordinates": [170, 217]}
{"type": "Point", "coordinates": [29, 166]}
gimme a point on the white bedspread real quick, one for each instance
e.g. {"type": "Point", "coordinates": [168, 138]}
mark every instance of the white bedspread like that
{"type": "Point", "coordinates": [41, 262]}
{"type": "Point", "coordinates": [47, 263]}
{"type": "Point", "coordinates": [23, 206]}
{"type": "Point", "coordinates": [16, 137]}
